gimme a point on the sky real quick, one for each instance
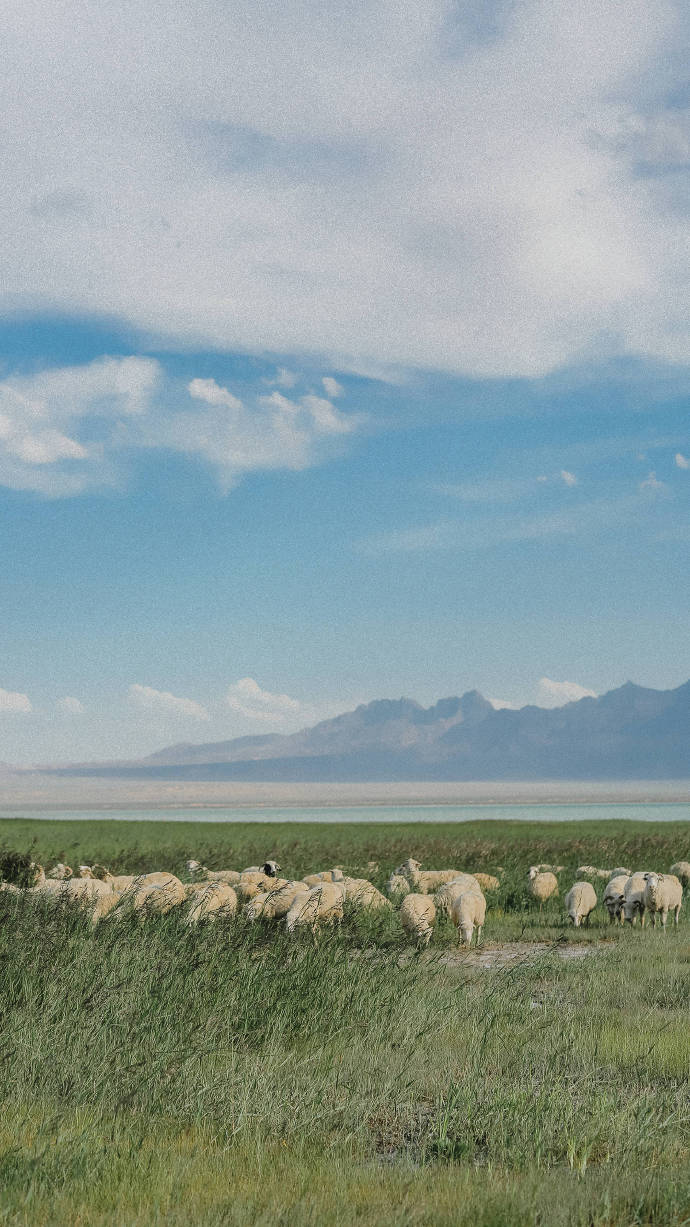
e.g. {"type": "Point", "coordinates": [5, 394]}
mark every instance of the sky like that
{"type": "Point", "coordinates": [343, 355]}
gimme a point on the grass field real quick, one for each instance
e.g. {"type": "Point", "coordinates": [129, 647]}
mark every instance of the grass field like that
{"type": "Point", "coordinates": [154, 1074]}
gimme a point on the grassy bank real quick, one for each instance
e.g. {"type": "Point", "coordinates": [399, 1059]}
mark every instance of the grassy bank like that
{"type": "Point", "coordinates": [227, 1075]}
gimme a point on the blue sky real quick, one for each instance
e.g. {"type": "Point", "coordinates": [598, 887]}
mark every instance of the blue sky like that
{"type": "Point", "coordinates": [339, 360]}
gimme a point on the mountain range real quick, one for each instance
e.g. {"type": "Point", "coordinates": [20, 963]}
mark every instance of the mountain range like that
{"type": "Point", "coordinates": [629, 733]}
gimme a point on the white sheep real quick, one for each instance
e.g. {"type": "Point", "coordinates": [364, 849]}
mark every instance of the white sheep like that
{"type": "Point", "coordinates": [614, 897]}
{"type": "Point", "coordinates": [620, 871]}
{"type": "Point", "coordinates": [323, 904]}
{"type": "Point", "coordinates": [325, 875]}
{"type": "Point", "coordinates": [681, 869]}
{"type": "Point", "coordinates": [397, 885]}
{"type": "Point", "coordinates": [487, 881]}
{"type": "Point", "coordinates": [275, 904]}
{"type": "Point", "coordinates": [216, 899]}
{"type": "Point", "coordinates": [542, 885]}
{"type": "Point", "coordinates": [468, 913]}
{"type": "Point", "coordinates": [269, 868]}
{"type": "Point", "coordinates": [634, 904]}
{"type": "Point", "coordinates": [445, 896]}
{"type": "Point", "coordinates": [251, 884]}
{"type": "Point", "coordinates": [425, 881]}
{"type": "Point", "coordinates": [90, 893]}
{"type": "Point", "coordinates": [229, 876]}
{"type": "Point", "coordinates": [663, 894]}
{"type": "Point", "coordinates": [146, 894]}
{"type": "Point", "coordinates": [580, 902]}
{"type": "Point", "coordinates": [417, 917]}
{"type": "Point", "coordinates": [544, 868]}
{"type": "Point", "coordinates": [59, 872]}
{"type": "Point", "coordinates": [363, 893]}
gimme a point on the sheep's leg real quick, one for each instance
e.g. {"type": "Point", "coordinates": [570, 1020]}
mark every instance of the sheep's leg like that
{"type": "Point", "coordinates": [479, 933]}
{"type": "Point", "coordinates": [675, 914]}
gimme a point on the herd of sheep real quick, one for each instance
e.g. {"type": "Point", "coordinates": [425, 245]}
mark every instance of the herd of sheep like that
{"type": "Point", "coordinates": [421, 895]}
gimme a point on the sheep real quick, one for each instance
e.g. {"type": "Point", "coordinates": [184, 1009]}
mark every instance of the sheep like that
{"type": "Point", "coordinates": [229, 876]}
{"type": "Point", "coordinates": [426, 881]}
{"type": "Point", "coordinates": [121, 882]}
{"type": "Point", "coordinates": [681, 869]}
{"type": "Point", "coordinates": [59, 872]}
{"type": "Point", "coordinates": [446, 895]}
{"type": "Point", "coordinates": [146, 894]}
{"type": "Point", "coordinates": [542, 885]}
{"type": "Point", "coordinates": [487, 881]}
{"type": "Point", "coordinates": [580, 902]}
{"type": "Point", "coordinates": [217, 899]}
{"type": "Point", "coordinates": [614, 897]}
{"type": "Point", "coordinates": [619, 871]}
{"type": "Point", "coordinates": [663, 893]}
{"type": "Point", "coordinates": [363, 893]}
{"type": "Point", "coordinates": [468, 913]}
{"type": "Point", "coordinates": [397, 885]}
{"type": "Point", "coordinates": [544, 868]}
{"type": "Point", "coordinates": [325, 875]}
{"type": "Point", "coordinates": [269, 868]}
{"type": "Point", "coordinates": [322, 904]}
{"type": "Point", "coordinates": [276, 903]}
{"type": "Point", "coordinates": [634, 903]}
{"type": "Point", "coordinates": [417, 917]}
{"type": "Point", "coordinates": [89, 893]}
{"type": "Point", "coordinates": [251, 884]}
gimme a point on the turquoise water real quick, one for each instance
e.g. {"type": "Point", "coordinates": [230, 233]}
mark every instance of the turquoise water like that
{"type": "Point", "coordinates": [639, 812]}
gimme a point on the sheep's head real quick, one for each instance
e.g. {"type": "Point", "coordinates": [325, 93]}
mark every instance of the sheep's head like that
{"type": "Point", "coordinates": [101, 873]}
{"type": "Point", "coordinates": [652, 883]}
{"type": "Point", "coordinates": [85, 871]}
{"type": "Point", "coordinates": [60, 872]}
{"type": "Point", "coordinates": [270, 868]}
{"type": "Point", "coordinates": [533, 871]}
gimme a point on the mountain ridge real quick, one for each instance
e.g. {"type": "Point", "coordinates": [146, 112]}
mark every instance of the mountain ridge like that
{"type": "Point", "coordinates": [630, 732]}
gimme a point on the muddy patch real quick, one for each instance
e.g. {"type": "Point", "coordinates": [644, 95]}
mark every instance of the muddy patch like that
{"type": "Point", "coordinates": [508, 954]}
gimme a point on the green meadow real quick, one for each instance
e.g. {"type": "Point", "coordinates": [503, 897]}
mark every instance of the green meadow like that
{"type": "Point", "coordinates": [228, 1074]}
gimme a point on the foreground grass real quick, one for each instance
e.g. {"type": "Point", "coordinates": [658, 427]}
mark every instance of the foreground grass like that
{"type": "Point", "coordinates": [156, 1075]}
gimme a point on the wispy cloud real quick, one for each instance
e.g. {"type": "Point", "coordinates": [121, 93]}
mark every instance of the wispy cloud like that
{"type": "Point", "coordinates": [653, 485]}
{"type": "Point", "coordinates": [70, 706]}
{"type": "Point", "coordinates": [682, 461]}
{"type": "Point", "coordinates": [166, 704]}
{"type": "Point", "coordinates": [247, 699]}
{"type": "Point", "coordinates": [568, 478]}
{"type": "Point", "coordinates": [14, 701]}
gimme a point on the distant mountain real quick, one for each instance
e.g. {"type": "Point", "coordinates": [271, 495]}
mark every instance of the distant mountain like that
{"type": "Point", "coordinates": [629, 733]}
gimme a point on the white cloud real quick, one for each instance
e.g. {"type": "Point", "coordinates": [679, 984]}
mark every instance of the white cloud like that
{"type": "Point", "coordinates": [557, 694]}
{"type": "Point", "coordinates": [13, 701]}
{"type": "Point", "coordinates": [653, 484]}
{"type": "Point", "coordinates": [248, 699]}
{"type": "Point", "coordinates": [331, 387]}
{"type": "Point", "coordinates": [70, 706]}
{"type": "Point", "coordinates": [489, 191]}
{"type": "Point", "coordinates": [682, 461]}
{"type": "Point", "coordinates": [569, 478]}
{"type": "Point", "coordinates": [504, 705]}
{"type": "Point", "coordinates": [165, 703]}
{"type": "Point", "coordinates": [69, 429]}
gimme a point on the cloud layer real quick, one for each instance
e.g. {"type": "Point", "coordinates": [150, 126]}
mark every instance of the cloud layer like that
{"type": "Point", "coordinates": [494, 190]}
{"type": "Point", "coordinates": [247, 699]}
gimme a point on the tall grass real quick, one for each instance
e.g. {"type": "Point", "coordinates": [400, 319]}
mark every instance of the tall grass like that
{"type": "Point", "coordinates": [156, 1074]}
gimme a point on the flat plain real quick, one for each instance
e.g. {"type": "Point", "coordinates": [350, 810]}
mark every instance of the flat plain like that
{"type": "Point", "coordinates": [231, 1074]}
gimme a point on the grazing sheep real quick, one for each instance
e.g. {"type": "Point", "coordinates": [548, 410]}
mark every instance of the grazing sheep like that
{"type": "Point", "coordinates": [96, 896]}
{"type": "Point", "coordinates": [269, 868]}
{"type": "Point", "coordinates": [84, 871]}
{"type": "Point", "coordinates": [425, 881]}
{"type": "Point", "coordinates": [620, 871]}
{"type": "Point", "coordinates": [663, 893]}
{"type": "Point", "coordinates": [275, 904]}
{"type": "Point", "coordinates": [487, 881]}
{"type": "Point", "coordinates": [323, 904]}
{"type": "Point", "coordinates": [147, 895]}
{"type": "Point", "coordinates": [580, 902]}
{"type": "Point", "coordinates": [634, 903]}
{"type": "Point", "coordinates": [614, 897]}
{"type": "Point", "coordinates": [363, 893]}
{"type": "Point", "coordinates": [543, 868]}
{"type": "Point", "coordinates": [446, 895]}
{"type": "Point", "coordinates": [121, 882]}
{"type": "Point", "coordinates": [542, 885]}
{"type": "Point", "coordinates": [325, 875]}
{"type": "Point", "coordinates": [251, 884]}
{"type": "Point", "coordinates": [468, 914]}
{"type": "Point", "coordinates": [217, 899]}
{"type": "Point", "coordinates": [229, 876]}
{"type": "Point", "coordinates": [681, 869]}
{"type": "Point", "coordinates": [417, 917]}
{"type": "Point", "coordinates": [59, 872]}
{"type": "Point", "coordinates": [397, 885]}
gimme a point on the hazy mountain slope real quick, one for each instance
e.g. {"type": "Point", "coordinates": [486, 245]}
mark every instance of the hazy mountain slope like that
{"type": "Point", "coordinates": [629, 733]}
